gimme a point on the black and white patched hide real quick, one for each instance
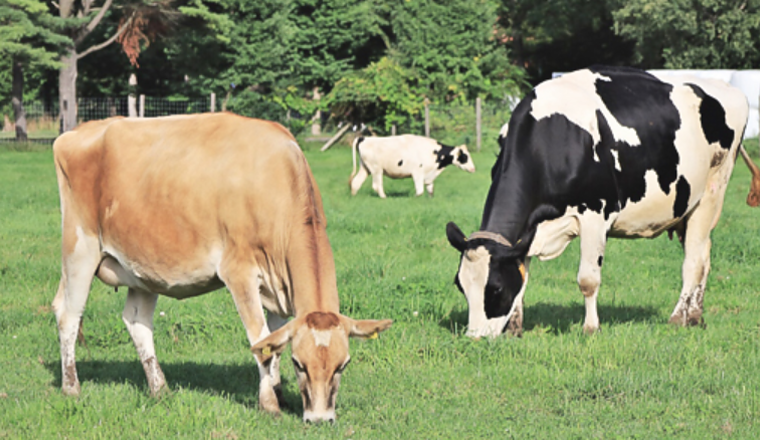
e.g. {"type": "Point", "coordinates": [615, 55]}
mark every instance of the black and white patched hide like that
{"type": "Point", "coordinates": [606, 151]}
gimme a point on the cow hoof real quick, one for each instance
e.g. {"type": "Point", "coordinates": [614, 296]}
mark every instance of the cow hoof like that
{"type": "Point", "coordinates": [591, 330]}
{"type": "Point", "coordinates": [274, 412]}
{"type": "Point", "coordinates": [515, 332]}
{"type": "Point", "coordinates": [160, 392]}
{"type": "Point", "coordinates": [70, 381]}
{"type": "Point", "coordinates": [268, 402]}
{"type": "Point", "coordinates": [690, 320]}
{"type": "Point", "coordinates": [514, 328]}
{"type": "Point", "coordinates": [71, 390]}
{"type": "Point", "coordinates": [695, 320]}
{"type": "Point", "coordinates": [677, 319]}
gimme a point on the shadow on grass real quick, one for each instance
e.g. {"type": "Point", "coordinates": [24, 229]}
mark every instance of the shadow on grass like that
{"type": "Point", "coordinates": [560, 318]}
{"type": "Point", "coordinates": [238, 381]}
{"type": "Point", "coordinates": [392, 194]}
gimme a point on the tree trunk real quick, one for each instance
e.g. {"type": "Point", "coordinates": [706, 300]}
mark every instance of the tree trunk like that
{"type": "Point", "coordinates": [316, 125]}
{"type": "Point", "coordinates": [17, 99]}
{"type": "Point", "coordinates": [67, 89]}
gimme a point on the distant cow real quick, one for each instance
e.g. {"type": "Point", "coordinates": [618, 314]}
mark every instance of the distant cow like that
{"type": "Point", "coordinates": [602, 152]}
{"type": "Point", "coordinates": [183, 205]}
{"type": "Point", "coordinates": [397, 157]}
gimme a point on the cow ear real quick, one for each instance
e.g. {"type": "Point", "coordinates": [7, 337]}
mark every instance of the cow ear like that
{"type": "Point", "coordinates": [367, 328]}
{"type": "Point", "coordinates": [275, 342]}
{"type": "Point", "coordinates": [456, 237]}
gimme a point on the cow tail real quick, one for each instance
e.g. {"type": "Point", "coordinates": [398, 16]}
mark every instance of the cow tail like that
{"type": "Point", "coordinates": [353, 157]}
{"type": "Point", "coordinates": [354, 147]}
{"type": "Point", "coordinates": [753, 198]}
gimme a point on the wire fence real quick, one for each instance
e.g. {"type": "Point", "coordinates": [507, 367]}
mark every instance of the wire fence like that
{"type": "Point", "coordinates": [458, 124]}
{"type": "Point", "coordinates": [43, 118]}
{"type": "Point", "coordinates": [452, 124]}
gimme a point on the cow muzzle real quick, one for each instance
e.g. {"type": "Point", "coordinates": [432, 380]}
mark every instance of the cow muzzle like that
{"type": "Point", "coordinates": [319, 416]}
{"type": "Point", "coordinates": [495, 327]}
{"type": "Point", "coordinates": [491, 328]}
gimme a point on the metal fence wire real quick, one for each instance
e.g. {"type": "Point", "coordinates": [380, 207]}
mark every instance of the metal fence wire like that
{"type": "Point", "coordinates": [89, 109]}
{"type": "Point", "coordinates": [166, 106]}
{"type": "Point", "coordinates": [452, 124]}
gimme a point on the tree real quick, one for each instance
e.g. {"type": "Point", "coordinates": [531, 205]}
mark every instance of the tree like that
{"type": "Point", "coordinates": [280, 52]}
{"type": "Point", "coordinates": [28, 39]}
{"type": "Point", "coordinates": [141, 20]}
{"type": "Point", "coordinates": [455, 49]}
{"type": "Point", "coordinates": [335, 38]}
{"type": "Point", "coordinates": [547, 36]}
{"type": "Point", "coordinates": [694, 34]}
{"type": "Point", "coordinates": [441, 51]}
{"type": "Point", "coordinates": [384, 93]}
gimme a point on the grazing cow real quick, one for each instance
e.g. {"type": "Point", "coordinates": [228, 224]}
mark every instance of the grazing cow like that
{"type": "Point", "coordinates": [183, 205]}
{"type": "Point", "coordinates": [418, 157]}
{"type": "Point", "coordinates": [602, 152]}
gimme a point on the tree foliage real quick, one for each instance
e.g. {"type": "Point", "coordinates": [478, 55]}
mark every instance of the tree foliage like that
{"type": "Point", "coordinates": [443, 52]}
{"type": "Point", "coordinates": [27, 39]}
{"type": "Point", "coordinates": [696, 34]}
{"type": "Point", "coordinates": [373, 61]}
{"type": "Point", "coordinates": [548, 36]}
{"type": "Point", "coordinates": [29, 33]}
{"type": "Point", "coordinates": [384, 92]}
{"type": "Point", "coordinates": [454, 47]}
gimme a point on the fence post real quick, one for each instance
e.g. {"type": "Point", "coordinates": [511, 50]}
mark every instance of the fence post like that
{"type": "Point", "coordinates": [142, 106]}
{"type": "Point", "coordinates": [131, 98]}
{"type": "Point", "coordinates": [213, 102]}
{"type": "Point", "coordinates": [393, 130]}
{"type": "Point", "coordinates": [111, 107]}
{"type": "Point", "coordinates": [427, 117]}
{"type": "Point", "coordinates": [477, 122]}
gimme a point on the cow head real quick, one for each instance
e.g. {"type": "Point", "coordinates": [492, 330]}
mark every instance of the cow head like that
{"type": "Point", "coordinates": [463, 158]}
{"type": "Point", "coordinates": [492, 276]}
{"type": "Point", "coordinates": [319, 346]}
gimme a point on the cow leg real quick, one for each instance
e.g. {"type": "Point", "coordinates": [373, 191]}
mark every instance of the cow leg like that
{"type": "Point", "coordinates": [515, 324]}
{"type": "Point", "coordinates": [696, 267]}
{"type": "Point", "coordinates": [244, 283]}
{"type": "Point", "coordinates": [593, 236]}
{"type": "Point", "coordinates": [358, 179]}
{"type": "Point", "coordinates": [274, 322]}
{"type": "Point", "coordinates": [696, 244]}
{"type": "Point", "coordinates": [429, 188]}
{"type": "Point", "coordinates": [138, 317]}
{"type": "Point", "coordinates": [696, 262]}
{"type": "Point", "coordinates": [81, 256]}
{"type": "Point", "coordinates": [377, 182]}
{"type": "Point", "coordinates": [419, 184]}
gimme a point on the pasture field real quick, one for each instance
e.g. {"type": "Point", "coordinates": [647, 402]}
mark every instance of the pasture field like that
{"type": "Point", "coordinates": [638, 378]}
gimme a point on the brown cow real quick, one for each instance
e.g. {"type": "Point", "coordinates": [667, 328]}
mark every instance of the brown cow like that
{"type": "Point", "coordinates": [183, 205]}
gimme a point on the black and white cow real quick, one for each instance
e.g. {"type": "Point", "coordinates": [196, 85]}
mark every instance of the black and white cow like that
{"type": "Point", "coordinates": [397, 157]}
{"type": "Point", "coordinates": [602, 152]}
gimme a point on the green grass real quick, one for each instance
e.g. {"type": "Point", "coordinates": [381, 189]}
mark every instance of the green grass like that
{"type": "Point", "coordinates": [638, 378]}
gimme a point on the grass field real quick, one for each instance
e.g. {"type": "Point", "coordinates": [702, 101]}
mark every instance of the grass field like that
{"type": "Point", "coordinates": [638, 378]}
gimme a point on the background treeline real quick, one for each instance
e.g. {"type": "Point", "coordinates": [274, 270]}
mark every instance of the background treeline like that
{"type": "Point", "coordinates": [370, 61]}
